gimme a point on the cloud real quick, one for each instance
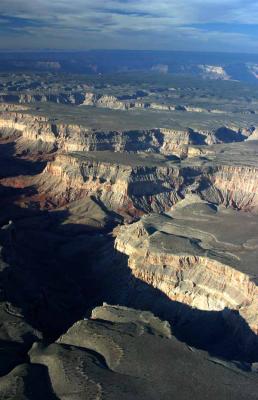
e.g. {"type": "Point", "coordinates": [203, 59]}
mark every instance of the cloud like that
{"type": "Point", "coordinates": [165, 24]}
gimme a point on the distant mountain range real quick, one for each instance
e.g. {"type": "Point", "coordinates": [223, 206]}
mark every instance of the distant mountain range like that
{"type": "Point", "coordinates": [222, 66]}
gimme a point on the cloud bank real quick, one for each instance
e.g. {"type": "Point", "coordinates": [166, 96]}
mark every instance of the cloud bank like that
{"type": "Point", "coordinates": [210, 25]}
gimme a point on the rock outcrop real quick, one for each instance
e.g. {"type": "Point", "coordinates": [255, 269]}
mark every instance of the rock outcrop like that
{"type": "Point", "coordinates": [121, 352]}
{"type": "Point", "coordinates": [123, 182]}
{"type": "Point", "coordinates": [214, 72]}
{"type": "Point", "coordinates": [151, 182]}
{"type": "Point", "coordinates": [31, 98]}
{"type": "Point", "coordinates": [199, 255]}
{"type": "Point", "coordinates": [125, 202]}
{"type": "Point", "coordinates": [37, 129]}
{"type": "Point", "coordinates": [230, 175]}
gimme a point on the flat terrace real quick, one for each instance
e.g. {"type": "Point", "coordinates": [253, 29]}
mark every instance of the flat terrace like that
{"type": "Point", "coordinates": [127, 159]}
{"type": "Point", "coordinates": [136, 119]}
{"type": "Point", "coordinates": [201, 229]}
{"type": "Point", "coordinates": [236, 154]}
{"type": "Point", "coordinates": [233, 154]}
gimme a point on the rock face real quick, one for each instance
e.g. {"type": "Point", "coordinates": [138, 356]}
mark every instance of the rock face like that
{"type": "Point", "coordinates": [125, 202]}
{"type": "Point", "coordinates": [105, 101]}
{"type": "Point", "coordinates": [149, 182]}
{"type": "Point", "coordinates": [123, 180]}
{"type": "Point", "coordinates": [120, 181]}
{"type": "Point", "coordinates": [80, 98]}
{"type": "Point", "coordinates": [29, 98]}
{"type": "Point", "coordinates": [228, 189]}
{"type": "Point", "coordinates": [231, 174]}
{"type": "Point", "coordinates": [199, 255]}
{"type": "Point", "coordinates": [70, 137]}
{"type": "Point", "coordinates": [214, 72]}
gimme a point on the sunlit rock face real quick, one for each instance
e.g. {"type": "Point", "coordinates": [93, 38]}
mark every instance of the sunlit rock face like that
{"type": "Point", "coordinates": [235, 186]}
{"type": "Point", "coordinates": [220, 175]}
{"type": "Point", "coordinates": [122, 182]}
{"type": "Point", "coordinates": [232, 175]}
{"type": "Point", "coordinates": [144, 199]}
{"type": "Point", "coordinates": [198, 254]}
{"type": "Point", "coordinates": [152, 182]}
{"type": "Point", "coordinates": [43, 131]}
{"type": "Point", "coordinates": [214, 72]}
{"type": "Point", "coordinates": [31, 98]}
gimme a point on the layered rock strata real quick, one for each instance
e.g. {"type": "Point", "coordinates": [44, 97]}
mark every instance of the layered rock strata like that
{"type": "Point", "coordinates": [199, 255]}
{"type": "Point", "coordinates": [121, 181]}
{"type": "Point", "coordinates": [71, 137]}
{"type": "Point", "coordinates": [30, 98]}
{"type": "Point", "coordinates": [230, 175]}
{"type": "Point", "coordinates": [112, 102]}
{"type": "Point", "coordinates": [149, 182]}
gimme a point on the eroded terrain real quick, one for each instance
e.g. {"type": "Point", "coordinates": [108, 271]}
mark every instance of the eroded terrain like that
{"type": "Point", "coordinates": [151, 209]}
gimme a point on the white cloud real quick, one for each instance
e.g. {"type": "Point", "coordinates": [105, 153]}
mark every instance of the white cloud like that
{"type": "Point", "coordinates": [129, 24]}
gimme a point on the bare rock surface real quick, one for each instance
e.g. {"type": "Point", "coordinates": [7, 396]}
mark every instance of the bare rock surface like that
{"type": "Point", "coordinates": [152, 182]}
{"type": "Point", "coordinates": [120, 181]}
{"type": "Point", "coordinates": [70, 176]}
{"type": "Point", "coordinates": [103, 359]}
{"type": "Point", "coordinates": [70, 129]}
{"type": "Point", "coordinates": [198, 254]}
{"type": "Point", "coordinates": [125, 315]}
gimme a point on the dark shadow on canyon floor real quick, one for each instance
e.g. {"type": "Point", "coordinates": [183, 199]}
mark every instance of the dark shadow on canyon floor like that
{"type": "Point", "coordinates": [56, 279]}
{"type": "Point", "coordinates": [11, 166]}
{"type": "Point", "coordinates": [223, 333]}
{"type": "Point", "coordinates": [58, 272]}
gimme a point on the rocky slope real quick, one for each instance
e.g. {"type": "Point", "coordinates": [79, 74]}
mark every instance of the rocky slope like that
{"type": "Point", "coordinates": [147, 182]}
{"type": "Point", "coordinates": [98, 206]}
{"type": "Point", "coordinates": [123, 182]}
{"type": "Point", "coordinates": [69, 137]}
{"type": "Point", "coordinates": [200, 256]}
{"type": "Point", "coordinates": [98, 100]}
{"type": "Point", "coordinates": [133, 183]}
{"type": "Point", "coordinates": [28, 98]}
{"type": "Point", "coordinates": [103, 358]}
{"type": "Point", "coordinates": [116, 103]}
{"type": "Point", "coordinates": [104, 100]}
{"type": "Point", "coordinates": [230, 175]}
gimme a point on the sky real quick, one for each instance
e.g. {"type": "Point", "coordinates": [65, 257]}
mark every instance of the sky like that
{"type": "Point", "coordinates": [196, 25]}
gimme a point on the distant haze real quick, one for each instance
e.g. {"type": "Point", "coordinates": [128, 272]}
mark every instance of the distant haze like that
{"type": "Point", "coordinates": [204, 65]}
{"type": "Point", "coordinates": [204, 25]}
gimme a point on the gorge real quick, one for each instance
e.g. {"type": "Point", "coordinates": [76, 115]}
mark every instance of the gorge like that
{"type": "Point", "coordinates": [128, 251]}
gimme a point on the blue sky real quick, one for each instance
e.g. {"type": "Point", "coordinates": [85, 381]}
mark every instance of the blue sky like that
{"type": "Point", "coordinates": [206, 25]}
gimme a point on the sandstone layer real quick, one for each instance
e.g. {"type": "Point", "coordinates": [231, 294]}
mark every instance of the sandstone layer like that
{"type": "Point", "coordinates": [151, 182]}
{"type": "Point", "coordinates": [54, 135]}
{"type": "Point", "coordinates": [137, 200]}
{"type": "Point", "coordinates": [199, 255]}
{"type": "Point", "coordinates": [120, 181]}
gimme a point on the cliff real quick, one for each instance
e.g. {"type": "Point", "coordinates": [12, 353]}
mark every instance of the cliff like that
{"type": "Point", "coordinates": [152, 182]}
{"type": "Point", "coordinates": [67, 137]}
{"type": "Point", "coordinates": [201, 256]}
{"type": "Point", "coordinates": [30, 98]}
{"type": "Point", "coordinates": [123, 182]}
{"type": "Point", "coordinates": [230, 175]}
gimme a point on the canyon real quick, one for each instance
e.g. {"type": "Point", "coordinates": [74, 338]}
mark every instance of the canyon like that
{"type": "Point", "coordinates": [201, 64]}
{"type": "Point", "coordinates": [34, 126]}
{"type": "Point", "coordinates": [198, 254]}
{"type": "Point", "coordinates": [128, 248]}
